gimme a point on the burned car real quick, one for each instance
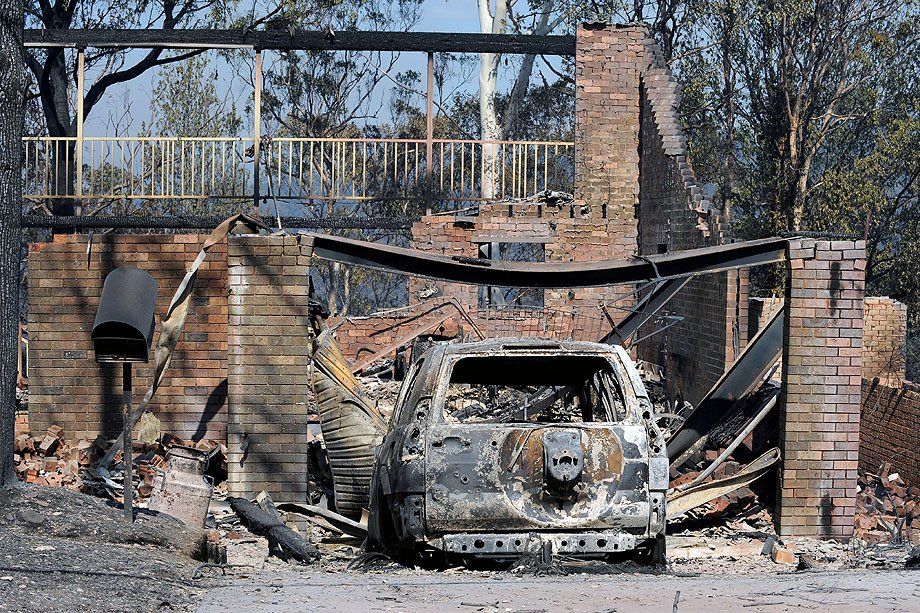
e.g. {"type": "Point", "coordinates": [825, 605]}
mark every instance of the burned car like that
{"type": "Point", "coordinates": [509, 446]}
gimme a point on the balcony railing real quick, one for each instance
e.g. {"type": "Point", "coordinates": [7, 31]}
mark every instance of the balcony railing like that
{"type": "Point", "coordinates": [308, 169]}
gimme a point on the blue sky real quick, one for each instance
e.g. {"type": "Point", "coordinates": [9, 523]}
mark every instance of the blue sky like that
{"type": "Point", "coordinates": [435, 16]}
{"type": "Point", "coordinates": [449, 16]}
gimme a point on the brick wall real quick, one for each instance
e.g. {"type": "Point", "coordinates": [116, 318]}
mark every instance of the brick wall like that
{"type": "Point", "coordinates": [884, 334]}
{"type": "Point", "coordinates": [607, 67]}
{"type": "Point", "coordinates": [361, 337]}
{"type": "Point", "coordinates": [674, 215]}
{"type": "Point", "coordinates": [602, 222]}
{"type": "Point", "coordinates": [634, 191]}
{"type": "Point", "coordinates": [566, 235]}
{"type": "Point", "coordinates": [822, 367]}
{"type": "Point", "coordinates": [269, 348]}
{"type": "Point", "coordinates": [888, 428]}
{"type": "Point", "coordinates": [68, 388]}
{"type": "Point", "coordinates": [761, 311]}
{"type": "Point", "coordinates": [885, 338]}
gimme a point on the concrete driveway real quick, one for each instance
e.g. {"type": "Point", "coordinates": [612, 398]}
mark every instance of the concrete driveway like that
{"type": "Point", "coordinates": [421, 591]}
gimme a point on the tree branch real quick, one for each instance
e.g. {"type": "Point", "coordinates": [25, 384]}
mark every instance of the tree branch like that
{"type": "Point", "coordinates": [151, 60]}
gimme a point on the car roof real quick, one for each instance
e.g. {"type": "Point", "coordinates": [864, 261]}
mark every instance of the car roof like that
{"type": "Point", "coordinates": [512, 345]}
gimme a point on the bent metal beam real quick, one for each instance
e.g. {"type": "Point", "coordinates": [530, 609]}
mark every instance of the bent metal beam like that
{"type": "Point", "coordinates": [547, 275]}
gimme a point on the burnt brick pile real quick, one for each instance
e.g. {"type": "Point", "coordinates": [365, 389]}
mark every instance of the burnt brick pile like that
{"type": "Point", "coordinates": [887, 508]}
{"type": "Point", "coordinates": [49, 459]}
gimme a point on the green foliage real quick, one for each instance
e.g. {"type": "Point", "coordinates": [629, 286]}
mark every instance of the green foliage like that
{"type": "Point", "coordinates": [185, 102]}
{"type": "Point", "coordinates": [783, 100]}
{"type": "Point", "coordinates": [804, 116]}
{"type": "Point", "coordinates": [876, 194]}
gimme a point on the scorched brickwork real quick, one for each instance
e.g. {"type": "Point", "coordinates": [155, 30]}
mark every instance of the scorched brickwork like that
{"type": "Point", "coordinates": [269, 348]}
{"type": "Point", "coordinates": [885, 336]}
{"type": "Point", "coordinates": [68, 388]}
{"type": "Point", "coordinates": [888, 429]}
{"type": "Point", "coordinates": [822, 374]}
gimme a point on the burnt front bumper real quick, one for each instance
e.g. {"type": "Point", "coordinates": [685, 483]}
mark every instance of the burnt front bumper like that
{"type": "Point", "coordinates": [510, 545]}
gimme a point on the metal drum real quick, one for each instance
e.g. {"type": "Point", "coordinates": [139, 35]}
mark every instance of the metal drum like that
{"type": "Point", "coordinates": [183, 491]}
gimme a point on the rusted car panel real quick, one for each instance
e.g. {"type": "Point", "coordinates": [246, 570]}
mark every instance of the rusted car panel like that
{"type": "Point", "coordinates": [461, 472]}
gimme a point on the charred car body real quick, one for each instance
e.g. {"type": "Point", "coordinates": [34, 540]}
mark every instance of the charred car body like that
{"type": "Point", "coordinates": [504, 447]}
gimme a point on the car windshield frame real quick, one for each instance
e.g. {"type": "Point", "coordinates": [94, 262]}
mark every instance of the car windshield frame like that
{"type": "Point", "coordinates": [617, 370]}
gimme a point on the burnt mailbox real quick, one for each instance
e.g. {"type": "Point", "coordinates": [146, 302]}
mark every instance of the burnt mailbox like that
{"type": "Point", "coordinates": [123, 330]}
{"type": "Point", "coordinates": [123, 333]}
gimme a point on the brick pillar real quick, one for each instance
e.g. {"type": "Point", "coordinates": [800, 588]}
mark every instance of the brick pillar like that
{"type": "Point", "coordinates": [268, 341]}
{"type": "Point", "coordinates": [608, 61]}
{"type": "Point", "coordinates": [822, 366]}
{"type": "Point", "coordinates": [604, 223]}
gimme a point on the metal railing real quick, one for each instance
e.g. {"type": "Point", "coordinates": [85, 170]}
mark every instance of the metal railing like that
{"type": "Point", "coordinates": [334, 169]}
{"type": "Point", "coordinates": [137, 167]}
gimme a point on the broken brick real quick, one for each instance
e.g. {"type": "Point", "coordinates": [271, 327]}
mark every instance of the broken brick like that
{"type": "Point", "coordinates": [23, 442]}
{"type": "Point", "coordinates": [782, 555]}
{"type": "Point", "coordinates": [48, 445]}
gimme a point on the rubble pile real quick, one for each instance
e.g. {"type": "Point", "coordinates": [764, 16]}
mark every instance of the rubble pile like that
{"type": "Point", "coordinates": [148, 460]}
{"type": "Point", "coordinates": [252, 546]}
{"type": "Point", "coordinates": [381, 391]}
{"type": "Point", "coordinates": [887, 508]}
{"type": "Point", "coordinates": [49, 459]}
{"type": "Point", "coordinates": [737, 503]}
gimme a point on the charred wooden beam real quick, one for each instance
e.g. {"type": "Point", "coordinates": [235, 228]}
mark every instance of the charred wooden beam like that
{"type": "Point", "coordinates": [291, 544]}
{"type": "Point", "coordinates": [300, 40]}
{"type": "Point", "coordinates": [198, 222]}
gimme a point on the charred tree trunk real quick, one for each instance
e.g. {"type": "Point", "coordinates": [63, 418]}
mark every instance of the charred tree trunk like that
{"type": "Point", "coordinates": [12, 89]}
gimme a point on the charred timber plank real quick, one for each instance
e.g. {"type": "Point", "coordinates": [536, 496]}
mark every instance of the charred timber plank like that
{"type": "Point", "coordinates": [548, 275]}
{"type": "Point", "coordinates": [436, 42]}
{"type": "Point", "coordinates": [196, 222]}
{"type": "Point", "coordinates": [263, 524]}
{"type": "Point", "coordinates": [339, 522]}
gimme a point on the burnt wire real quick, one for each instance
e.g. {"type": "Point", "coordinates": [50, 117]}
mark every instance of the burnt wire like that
{"type": "Point", "coordinates": [369, 560]}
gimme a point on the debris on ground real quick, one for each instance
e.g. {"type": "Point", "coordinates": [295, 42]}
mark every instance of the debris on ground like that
{"type": "Point", "coordinates": [47, 460]}
{"type": "Point", "coordinates": [382, 392]}
{"type": "Point", "coordinates": [330, 519]}
{"type": "Point", "coordinates": [50, 459]}
{"type": "Point", "coordinates": [887, 510]}
{"type": "Point", "coordinates": [66, 551]}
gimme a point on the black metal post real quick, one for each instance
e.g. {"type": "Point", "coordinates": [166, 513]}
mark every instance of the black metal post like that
{"type": "Point", "coordinates": [429, 136]}
{"type": "Point", "coordinates": [126, 450]}
{"type": "Point", "coordinates": [257, 133]}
